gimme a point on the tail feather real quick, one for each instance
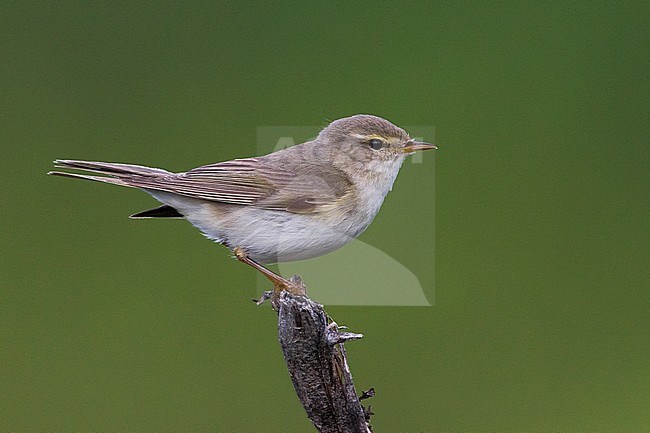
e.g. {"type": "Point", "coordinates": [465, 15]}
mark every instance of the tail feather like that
{"type": "Point", "coordinates": [163, 211]}
{"type": "Point", "coordinates": [106, 179]}
{"type": "Point", "coordinates": [135, 176]}
{"type": "Point", "coordinates": [110, 168]}
{"type": "Point", "coordinates": [116, 174]}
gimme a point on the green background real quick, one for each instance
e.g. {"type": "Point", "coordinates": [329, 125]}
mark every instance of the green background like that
{"type": "Point", "coordinates": [540, 320]}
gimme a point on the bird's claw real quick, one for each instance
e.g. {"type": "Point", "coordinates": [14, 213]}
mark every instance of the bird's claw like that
{"type": "Point", "coordinates": [265, 297]}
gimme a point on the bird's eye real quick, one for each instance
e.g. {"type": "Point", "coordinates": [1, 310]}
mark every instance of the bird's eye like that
{"type": "Point", "coordinates": [376, 143]}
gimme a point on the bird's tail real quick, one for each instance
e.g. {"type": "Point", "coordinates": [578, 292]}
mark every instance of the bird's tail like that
{"type": "Point", "coordinates": [117, 174]}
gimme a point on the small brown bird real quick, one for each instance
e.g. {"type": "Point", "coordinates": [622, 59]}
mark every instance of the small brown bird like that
{"type": "Point", "coordinates": [293, 204]}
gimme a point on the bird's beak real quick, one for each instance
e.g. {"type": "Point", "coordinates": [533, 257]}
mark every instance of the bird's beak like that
{"type": "Point", "coordinates": [413, 146]}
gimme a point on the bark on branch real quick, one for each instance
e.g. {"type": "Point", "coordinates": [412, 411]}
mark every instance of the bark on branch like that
{"type": "Point", "coordinates": [318, 366]}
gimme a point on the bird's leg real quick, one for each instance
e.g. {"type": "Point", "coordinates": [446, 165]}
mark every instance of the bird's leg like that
{"type": "Point", "coordinates": [294, 286]}
{"type": "Point", "coordinates": [276, 279]}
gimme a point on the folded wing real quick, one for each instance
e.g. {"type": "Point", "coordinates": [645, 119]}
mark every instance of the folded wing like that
{"type": "Point", "coordinates": [247, 182]}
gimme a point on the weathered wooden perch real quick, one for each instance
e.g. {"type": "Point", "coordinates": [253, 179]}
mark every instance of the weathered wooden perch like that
{"type": "Point", "coordinates": [317, 362]}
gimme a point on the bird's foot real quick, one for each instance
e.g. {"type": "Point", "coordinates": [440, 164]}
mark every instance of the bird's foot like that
{"type": "Point", "coordinates": [294, 285]}
{"type": "Point", "coordinates": [265, 297]}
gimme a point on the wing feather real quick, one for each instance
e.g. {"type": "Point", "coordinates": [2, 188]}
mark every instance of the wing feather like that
{"type": "Point", "coordinates": [305, 187]}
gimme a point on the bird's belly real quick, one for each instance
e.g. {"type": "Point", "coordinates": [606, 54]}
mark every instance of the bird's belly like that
{"type": "Point", "coordinates": [270, 236]}
{"type": "Point", "coordinates": [275, 236]}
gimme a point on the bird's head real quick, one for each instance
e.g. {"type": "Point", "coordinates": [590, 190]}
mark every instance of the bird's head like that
{"type": "Point", "coordinates": [364, 142]}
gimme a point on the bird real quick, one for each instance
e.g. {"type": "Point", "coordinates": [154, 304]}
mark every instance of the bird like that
{"type": "Point", "coordinates": [297, 203]}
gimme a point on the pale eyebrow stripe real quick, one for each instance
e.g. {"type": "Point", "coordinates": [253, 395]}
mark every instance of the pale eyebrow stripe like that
{"type": "Point", "coordinates": [369, 137]}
